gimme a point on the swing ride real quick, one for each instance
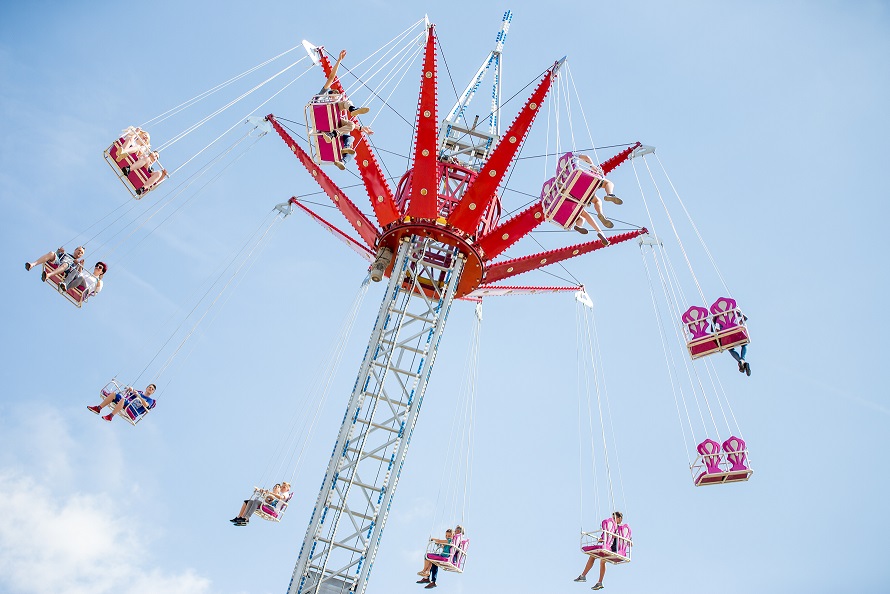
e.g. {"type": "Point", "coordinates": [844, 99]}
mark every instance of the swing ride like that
{"type": "Point", "coordinates": [439, 235]}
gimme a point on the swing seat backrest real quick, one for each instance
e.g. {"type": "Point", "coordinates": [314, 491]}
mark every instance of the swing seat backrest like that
{"type": "Point", "coordinates": [724, 312]}
{"type": "Point", "coordinates": [609, 527]}
{"type": "Point", "coordinates": [564, 167]}
{"type": "Point", "coordinates": [709, 450]}
{"type": "Point", "coordinates": [735, 453]}
{"type": "Point", "coordinates": [729, 323]}
{"type": "Point", "coordinates": [457, 559]}
{"type": "Point", "coordinates": [624, 542]}
{"type": "Point", "coordinates": [697, 321]}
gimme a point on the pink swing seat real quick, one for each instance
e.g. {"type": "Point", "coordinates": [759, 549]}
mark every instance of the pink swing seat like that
{"type": "Point", "coordinates": [716, 470]}
{"type": "Point", "coordinates": [565, 196]}
{"type": "Point", "coordinates": [75, 295]}
{"type": "Point", "coordinates": [729, 323]}
{"type": "Point", "coordinates": [323, 114]}
{"type": "Point", "coordinates": [137, 178]}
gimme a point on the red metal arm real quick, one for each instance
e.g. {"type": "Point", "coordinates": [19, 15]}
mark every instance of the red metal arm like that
{"type": "Point", "coordinates": [424, 190]}
{"type": "Point", "coordinates": [508, 233]}
{"type": "Point", "coordinates": [379, 192]}
{"type": "Point", "coordinates": [610, 164]}
{"type": "Point", "coordinates": [365, 228]}
{"type": "Point", "coordinates": [516, 266]}
{"type": "Point", "coordinates": [354, 245]}
{"type": "Point", "coordinates": [468, 213]}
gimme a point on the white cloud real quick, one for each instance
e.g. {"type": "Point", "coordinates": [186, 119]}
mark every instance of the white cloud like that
{"type": "Point", "coordinates": [58, 538]}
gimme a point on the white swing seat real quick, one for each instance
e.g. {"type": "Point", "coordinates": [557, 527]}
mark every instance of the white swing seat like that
{"type": "Point", "coordinates": [133, 411]}
{"type": "Point", "coordinates": [271, 508]}
{"type": "Point", "coordinates": [452, 559]}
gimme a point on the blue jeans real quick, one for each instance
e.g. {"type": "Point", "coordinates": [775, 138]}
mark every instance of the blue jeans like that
{"type": "Point", "coordinates": [434, 572]}
{"type": "Point", "coordinates": [738, 357]}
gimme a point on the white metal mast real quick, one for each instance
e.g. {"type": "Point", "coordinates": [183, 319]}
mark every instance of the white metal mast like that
{"type": "Point", "coordinates": [462, 139]}
{"type": "Point", "coordinates": [347, 522]}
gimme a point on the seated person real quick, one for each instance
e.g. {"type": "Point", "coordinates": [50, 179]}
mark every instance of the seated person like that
{"type": "Point", "coordinates": [430, 570]}
{"type": "Point", "coordinates": [123, 398]}
{"type": "Point", "coordinates": [137, 141]}
{"type": "Point", "coordinates": [146, 161]}
{"type": "Point", "coordinates": [345, 105]}
{"type": "Point", "coordinates": [597, 203]}
{"type": "Point", "coordinates": [280, 491]}
{"type": "Point", "coordinates": [344, 132]}
{"type": "Point", "coordinates": [92, 283]}
{"type": "Point", "coordinates": [65, 262]}
{"type": "Point", "coordinates": [154, 179]}
{"type": "Point", "coordinates": [618, 517]}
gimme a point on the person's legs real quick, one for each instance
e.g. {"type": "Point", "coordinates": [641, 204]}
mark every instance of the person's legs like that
{"type": "Point", "coordinates": [58, 271]}
{"type": "Point", "coordinates": [590, 221]}
{"type": "Point", "coordinates": [598, 207]}
{"type": "Point", "coordinates": [590, 561]}
{"type": "Point", "coordinates": [40, 261]}
{"type": "Point", "coordinates": [735, 355]}
{"type": "Point", "coordinates": [434, 572]}
{"type": "Point", "coordinates": [602, 570]}
{"type": "Point", "coordinates": [744, 351]}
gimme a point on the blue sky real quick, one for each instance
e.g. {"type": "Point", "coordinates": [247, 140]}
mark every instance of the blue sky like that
{"type": "Point", "coordinates": [769, 118]}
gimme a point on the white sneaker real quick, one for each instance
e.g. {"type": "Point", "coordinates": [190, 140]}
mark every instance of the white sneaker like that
{"type": "Point", "coordinates": [597, 586]}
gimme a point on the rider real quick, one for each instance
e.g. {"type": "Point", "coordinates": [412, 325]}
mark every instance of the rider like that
{"type": "Point", "coordinates": [280, 491]}
{"type": "Point", "coordinates": [65, 262]}
{"type": "Point", "coordinates": [609, 187]}
{"type": "Point", "coordinates": [618, 517]}
{"type": "Point", "coordinates": [123, 398]}
{"type": "Point", "coordinates": [92, 283]}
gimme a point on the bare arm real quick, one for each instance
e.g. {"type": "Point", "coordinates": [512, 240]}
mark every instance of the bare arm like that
{"type": "Point", "coordinates": [333, 74]}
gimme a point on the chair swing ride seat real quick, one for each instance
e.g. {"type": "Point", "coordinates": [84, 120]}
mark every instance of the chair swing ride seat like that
{"type": "Point", "coordinates": [137, 179]}
{"type": "Point", "coordinates": [78, 294]}
{"type": "Point", "coordinates": [133, 410]}
{"type": "Point", "coordinates": [323, 117]}
{"type": "Point", "coordinates": [451, 558]}
{"type": "Point", "coordinates": [271, 507]}
{"type": "Point", "coordinates": [710, 468]}
{"type": "Point", "coordinates": [714, 331]}
{"type": "Point", "coordinates": [612, 542]}
{"type": "Point", "coordinates": [565, 196]}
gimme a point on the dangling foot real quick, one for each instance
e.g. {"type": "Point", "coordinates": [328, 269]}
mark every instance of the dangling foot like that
{"type": "Point", "coordinates": [63, 287]}
{"type": "Point", "coordinates": [423, 581]}
{"type": "Point", "coordinates": [43, 275]}
{"type": "Point", "coordinates": [597, 586]}
{"type": "Point", "coordinates": [348, 151]}
{"type": "Point", "coordinates": [613, 199]}
{"type": "Point", "coordinates": [140, 191]}
{"type": "Point", "coordinates": [423, 573]}
{"type": "Point", "coordinates": [609, 224]}
{"type": "Point", "coordinates": [581, 230]}
{"type": "Point", "coordinates": [126, 169]}
{"type": "Point", "coordinates": [741, 366]}
{"type": "Point", "coordinates": [603, 239]}
{"type": "Point", "coordinates": [340, 165]}
{"type": "Point", "coordinates": [359, 111]}
{"type": "Point", "coordinates": [747, 369]}
{"type": "Point", "coordinates": [108, 417]}
{"type": "Point", "coordinates": [28, 266]}
{"type": "Point", "coordinates": [94, 409]}
{"type": "Point", "coordinates": [430, 585]}
{"type": "Point", "coordinates": [581, 578]}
